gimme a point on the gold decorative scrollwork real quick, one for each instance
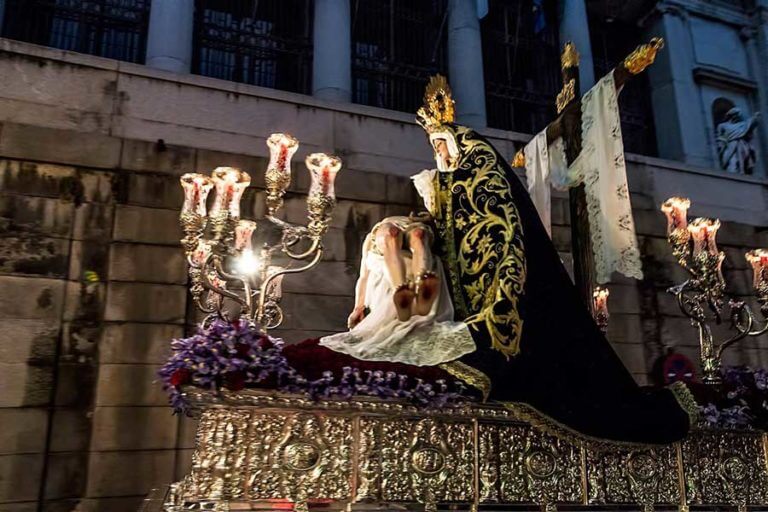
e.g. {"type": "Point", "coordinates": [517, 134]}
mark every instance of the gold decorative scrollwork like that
{"type": "Point", "coordinates": [569, 58]}
{"type": "Point", "coordinates": [254, 448]}
{"type": "Point", "coordinates": [633, 476]}
{"type": "Point", "coordinates": [566, 95]}
{"type": "Point", "coordinates": [301, 456]}
{"type": "Point", "coordinates": [519, 464]}
{"type": "Point", "coordinates": [541, 463]}
{"type": "Point", "coordinates": [721, 467]}
{"type": "Point", "coordinates": [642, 466]}
{"type": "Point", "coordinates": [643, 56]}
{"type": "Point", "coordinates": [426, 461]}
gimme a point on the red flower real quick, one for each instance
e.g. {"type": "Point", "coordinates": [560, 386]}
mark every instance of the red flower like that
{"type": "Point", "coordinates": [179, 377]}
{"type": "Point", "coordinates": [242, 350]}
{"type": "Point", "coordinates": [265, 343]}
{"type": "Point", "coordinates": [234, 381]}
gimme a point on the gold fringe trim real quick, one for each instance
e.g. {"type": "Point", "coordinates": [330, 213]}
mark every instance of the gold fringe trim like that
{"type": "Point", "coordinates": [686, 400]}
{"type": "Point", "coordinates": [469, 375]}
{"type": "Point", "coordinates": [541, 421]}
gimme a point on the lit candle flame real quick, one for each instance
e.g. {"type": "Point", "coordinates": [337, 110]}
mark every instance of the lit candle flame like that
{"type": "Point", "coordinates": [676, 210]}
{"type": "Point", "coordinates": [704, 232]}
{"type": "Point", "coordinates": [247, 263]}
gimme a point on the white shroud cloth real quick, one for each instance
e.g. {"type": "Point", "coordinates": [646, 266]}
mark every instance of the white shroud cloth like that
{"type": "Point", "coordinates": [601, 168]}
{"type": "Point", "coordinates": [545, 166]}
{"type": "Point", "coordinates": [422, 340]}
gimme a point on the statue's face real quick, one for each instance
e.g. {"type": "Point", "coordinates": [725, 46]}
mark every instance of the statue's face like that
{"type": "Point", "coordinates": [735, 114]}
{"type": "Point", "coordinates": [442, 155]}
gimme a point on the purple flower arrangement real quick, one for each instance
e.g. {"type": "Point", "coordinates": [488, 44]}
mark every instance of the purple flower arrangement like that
{"type": "Point", "coordinates": [235, 356]}
{"type": "Point", "coordinates": [743, 402]}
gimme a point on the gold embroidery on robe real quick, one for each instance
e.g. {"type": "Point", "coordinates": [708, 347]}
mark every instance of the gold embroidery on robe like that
{"type": "Point", "coordinates": [487, 265]}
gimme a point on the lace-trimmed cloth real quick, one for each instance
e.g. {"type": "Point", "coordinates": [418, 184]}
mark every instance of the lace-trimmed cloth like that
{"type": "Point", "coordinates": [602, 169]}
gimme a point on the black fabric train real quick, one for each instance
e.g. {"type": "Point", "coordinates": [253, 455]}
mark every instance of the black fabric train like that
{"type": "Point", "coordinates": [537, 342]}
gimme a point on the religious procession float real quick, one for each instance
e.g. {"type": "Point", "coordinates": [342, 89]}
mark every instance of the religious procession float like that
{"type": "Point", "coordinates": [475, 374]}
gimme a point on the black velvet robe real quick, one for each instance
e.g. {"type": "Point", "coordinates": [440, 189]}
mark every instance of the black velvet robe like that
{"type": "Point", "coordinates": [536, 339]}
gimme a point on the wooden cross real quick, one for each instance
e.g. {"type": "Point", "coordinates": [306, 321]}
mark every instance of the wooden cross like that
{"type": "Point", "coordinates": [568, 126]}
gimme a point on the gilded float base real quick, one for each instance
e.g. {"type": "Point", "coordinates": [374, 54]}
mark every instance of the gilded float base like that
{"type": "Point", "coordinates": [260, 451]}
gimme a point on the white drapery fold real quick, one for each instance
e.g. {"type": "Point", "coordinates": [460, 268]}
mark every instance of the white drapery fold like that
{"type": "Point", "coordinates": [545, 166]}
{"type": "Point", "coordinates": [602, 169]}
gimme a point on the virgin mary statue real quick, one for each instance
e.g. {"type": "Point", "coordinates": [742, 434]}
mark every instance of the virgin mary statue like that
{"type": "Point", "coordinates": [534, 345]}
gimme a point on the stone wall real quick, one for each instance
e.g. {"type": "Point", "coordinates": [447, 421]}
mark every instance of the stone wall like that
{"type": "Point", "coordinates": [93, 280]}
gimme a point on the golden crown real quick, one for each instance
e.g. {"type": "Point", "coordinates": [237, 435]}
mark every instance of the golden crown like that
{"type": "Point", "coordinates": [438, 105]}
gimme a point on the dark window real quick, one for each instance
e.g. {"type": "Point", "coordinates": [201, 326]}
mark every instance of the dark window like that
{"type": "Point", "coordinates": [611, 43]}
{"type": "Point", "coordinates": [116, 29]}
{"type": "Point", "coordinates": [522, 64]}
{"type": "Point", "coordinates": [260, 43]}
{"type": "Point", "coordinates": [396, 46]}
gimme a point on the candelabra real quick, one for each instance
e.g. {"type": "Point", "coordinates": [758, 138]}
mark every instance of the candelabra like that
{"type": "Point", "coordinates": [229, 278]}
{"type": "Point", "coordinates": [701, 298]}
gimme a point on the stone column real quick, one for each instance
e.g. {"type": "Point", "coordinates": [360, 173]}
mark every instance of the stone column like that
{"type": "Point", "coordinates": [574, 27]}
{"type": "Point", "coordinates": [681, 128]}
{"type": "Point", "coordinates": [332, 60]}
{"type": "Point", "coordinates": [169, 41]}
{"type": "Point", "coordinates": [465, 63]}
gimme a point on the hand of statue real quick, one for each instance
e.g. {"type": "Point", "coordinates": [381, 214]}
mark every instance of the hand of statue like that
{"type": "Point", "coordinates": [356, 316]}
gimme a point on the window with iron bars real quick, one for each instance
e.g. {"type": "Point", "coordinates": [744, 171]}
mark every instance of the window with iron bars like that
{"type": "Point", "coordinates": [611, 43]}
{"type": "Point", "coordinates": [521, 61]}
{"type": "Point", "coordinates": [396, 46]}
{"type": "Point", "coordinates": [260, 43]}
{"type": "Point", "coordinates": [116, 29]}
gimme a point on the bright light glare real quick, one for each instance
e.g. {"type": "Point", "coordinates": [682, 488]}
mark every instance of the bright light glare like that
{"type": "Point", "coordinates": [247, 263]}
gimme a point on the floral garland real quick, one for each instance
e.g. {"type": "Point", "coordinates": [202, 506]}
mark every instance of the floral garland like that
{"type": "Point", "coordinates": [743, 403]}
{"type": "Point", "coordinates": [236, 355]}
